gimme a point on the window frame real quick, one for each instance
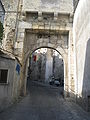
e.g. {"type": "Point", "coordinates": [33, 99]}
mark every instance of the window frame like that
{"type": "Point", "coordinates": [5, 83]}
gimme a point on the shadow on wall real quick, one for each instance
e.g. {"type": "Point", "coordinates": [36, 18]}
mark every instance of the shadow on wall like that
{"type": "Point", "coordinates": [85, 100]}
{"type": "Point", "coordinates": [86, 77]}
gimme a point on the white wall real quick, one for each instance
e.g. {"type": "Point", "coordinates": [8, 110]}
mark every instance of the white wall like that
{"type": "Point", "coordinates": [81, 32]}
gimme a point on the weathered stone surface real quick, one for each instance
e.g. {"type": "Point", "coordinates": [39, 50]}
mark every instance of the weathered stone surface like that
{"type": "Point", "coordinates": [63, 6]}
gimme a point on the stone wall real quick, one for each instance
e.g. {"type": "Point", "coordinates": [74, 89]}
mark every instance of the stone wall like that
{"type": "Point", "coordinates": [81, 32]}
{"type": "Point", "coordinates": [10, 23]}
{"type": "Point", "coordinates": [63, 6]}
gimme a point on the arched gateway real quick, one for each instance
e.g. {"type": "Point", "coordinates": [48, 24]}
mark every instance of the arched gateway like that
{"type": "Point", "coordinates": [35, 39]}
{"type": "Point", "coordinates": [43, 24]}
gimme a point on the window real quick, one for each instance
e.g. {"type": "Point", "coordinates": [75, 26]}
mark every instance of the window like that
{"type": "Point", "coordinates": [3, 76]}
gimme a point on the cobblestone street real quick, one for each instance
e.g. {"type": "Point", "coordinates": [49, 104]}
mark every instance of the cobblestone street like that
{"type": "Point", "coordinates": [44, 103]}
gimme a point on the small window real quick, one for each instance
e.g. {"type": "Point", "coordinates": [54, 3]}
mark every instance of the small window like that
{"type": "Point", "coordinates": [3, 76]}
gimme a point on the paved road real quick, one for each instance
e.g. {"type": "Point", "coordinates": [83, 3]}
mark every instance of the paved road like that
{"type": "Point", "coordinates": [44, 103]}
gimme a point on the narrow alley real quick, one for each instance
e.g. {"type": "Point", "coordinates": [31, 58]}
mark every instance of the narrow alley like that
{"type": "Point", "coordinates": [44, 103]}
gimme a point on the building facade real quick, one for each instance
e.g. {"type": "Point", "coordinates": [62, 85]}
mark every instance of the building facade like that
{"type": "Point", "coordinates": [29, 26]}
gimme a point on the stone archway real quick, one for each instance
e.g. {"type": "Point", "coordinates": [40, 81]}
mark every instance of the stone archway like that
{"type": "Point", "coordinates": [36, 46]}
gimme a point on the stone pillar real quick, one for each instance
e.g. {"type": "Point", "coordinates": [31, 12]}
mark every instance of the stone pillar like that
{"type": "Point", "coordinates": [71, 65]}
{"type": "Point", "coordinates": [18, 47]}
{"type": "Point", "coordinates": [66, 79]}
{"type": "Point", "coordinates": [18, 51]}
{"type": "Point", "coordinates": [49, 65]}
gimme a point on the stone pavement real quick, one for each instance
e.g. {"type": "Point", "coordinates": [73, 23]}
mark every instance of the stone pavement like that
{"type": "Point", "coordinates": [44, 103]}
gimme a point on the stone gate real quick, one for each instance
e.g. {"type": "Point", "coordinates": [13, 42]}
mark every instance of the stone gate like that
{"type": "Point", "coordinates": [39, 24]}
